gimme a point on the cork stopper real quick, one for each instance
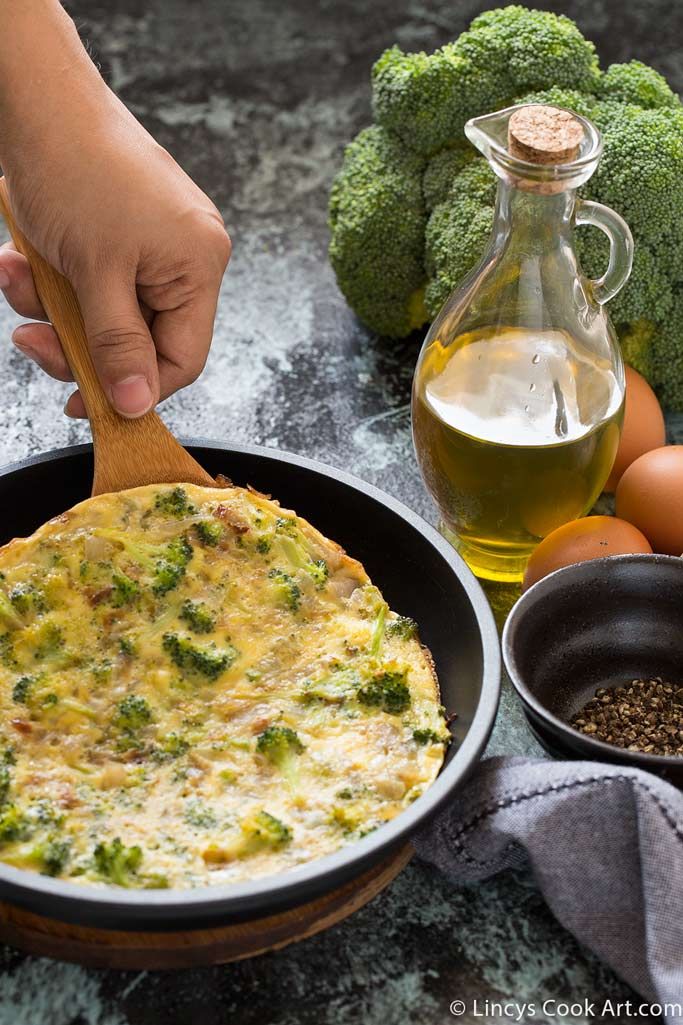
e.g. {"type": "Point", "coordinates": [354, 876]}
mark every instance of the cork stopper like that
{"type": "Point", "coordinates": [541, 134]}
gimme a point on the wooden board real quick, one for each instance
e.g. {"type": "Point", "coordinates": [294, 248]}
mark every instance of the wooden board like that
{"type": "Point", "coordinates": [108, 948]}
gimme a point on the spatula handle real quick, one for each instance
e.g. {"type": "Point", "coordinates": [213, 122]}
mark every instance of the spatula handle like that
{"type": "Point", "coordinates": [128, 453]}
{"type": "Point", "coordinates": [61, 306]}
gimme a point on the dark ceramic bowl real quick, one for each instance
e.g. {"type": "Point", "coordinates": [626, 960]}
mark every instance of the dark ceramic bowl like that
{"type": "Point", "coordinates": [596, 624]}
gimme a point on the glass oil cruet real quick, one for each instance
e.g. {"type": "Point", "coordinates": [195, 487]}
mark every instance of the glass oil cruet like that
{"type": "Point", "coordinates": [519, 388]}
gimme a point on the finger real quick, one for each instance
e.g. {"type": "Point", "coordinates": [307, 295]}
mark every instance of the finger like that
{"type": "Point", "coordinates": [120, 343]}
{"type": "Point", "coordinates": [40, 343]}
{"type": "Point", "coordinates": [183, 339]}
{"type": "Point", "coordinates": [16, 282]}
{"type": "Point", "coordinates": [75, 406]}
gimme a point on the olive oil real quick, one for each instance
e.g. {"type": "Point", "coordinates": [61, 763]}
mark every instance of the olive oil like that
{"type": "Point", "coordinates": [516, 431]}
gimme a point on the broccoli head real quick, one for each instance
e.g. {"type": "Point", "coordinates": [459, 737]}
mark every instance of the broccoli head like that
{"type": "Point", "coordinates": [125, 591]}
{"type": "Point", "coordinates": [638, 84]}
{"type": "Point", "coordinates": [378, 219]}
{"type": "Point", "coordinates": [388, 691]}
{"type": "Point", "coordinates": [27, 598]}
{"type": "Point", "coordinates": [281, 746]}
{"type": "Point", "coordinates": [117, 863]}
{"type": "Point", "coordinates": [132, 713]}
{"type": "Point", "coordinates": [426, 99]}
{"type": "Point", "coordinates": [170, 567]}
{"type": "Point", "coordinates": [402, 627]}
{"type": "Point", "coordinates": [174, 503]}
{"type": "Point", "coordinates": [209, 532]}
{"type": "Point", "coordinates": [259, 831]}
{"type": "Point", "coordinates": [287, 591]}
{"type": "Point", "coordinates": [51, 855]}
{"type": "Point", "coordinates": [262, 831]}
{"type": "Point", "coordinates": [13, 824]}
{"type": "Point", "coordinates": [412, 206]}
{"type": "Point", "coordinates": [198, 660]}
{"type": "Point", "coordinates": [198, 617]}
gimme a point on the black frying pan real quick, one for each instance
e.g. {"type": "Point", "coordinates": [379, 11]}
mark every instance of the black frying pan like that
{"type": "Point", "coordinates": [419, 574]}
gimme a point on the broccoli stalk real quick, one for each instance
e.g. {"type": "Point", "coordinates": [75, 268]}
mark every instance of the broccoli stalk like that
{"type": "Point", "coordinates": [378, 630]}
{"type": "Point", "coordinates": [298, 557]}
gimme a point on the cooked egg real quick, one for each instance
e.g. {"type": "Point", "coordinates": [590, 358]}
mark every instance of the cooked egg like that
{"type": "Point", "coordinates": [197, 687]}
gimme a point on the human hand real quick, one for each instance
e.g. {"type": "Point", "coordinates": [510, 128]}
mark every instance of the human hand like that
{"type": "Point", "coordinates": [143, 247]}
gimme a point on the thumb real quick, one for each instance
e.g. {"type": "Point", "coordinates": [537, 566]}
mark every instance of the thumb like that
{"type": "Point", "coordinates": [120, 344]}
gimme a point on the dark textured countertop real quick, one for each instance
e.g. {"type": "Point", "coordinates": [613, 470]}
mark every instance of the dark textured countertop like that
{"type": "Point", "coordinates": [256, 101]}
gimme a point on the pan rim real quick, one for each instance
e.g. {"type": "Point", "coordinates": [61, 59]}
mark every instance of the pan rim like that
{"type": "Point", "coordinates": [235, 898]}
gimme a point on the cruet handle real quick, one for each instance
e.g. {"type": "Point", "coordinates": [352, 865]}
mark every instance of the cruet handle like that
{"type": "Point", "coordinates": [621, 247]}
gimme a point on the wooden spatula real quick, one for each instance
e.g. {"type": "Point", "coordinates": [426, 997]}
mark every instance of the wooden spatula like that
{"type": "Point", "coordinates": [128, 453]}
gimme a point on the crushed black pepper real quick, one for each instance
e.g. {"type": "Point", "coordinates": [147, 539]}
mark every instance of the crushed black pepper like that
{"type": "Point", "coordinates": [642, 715]}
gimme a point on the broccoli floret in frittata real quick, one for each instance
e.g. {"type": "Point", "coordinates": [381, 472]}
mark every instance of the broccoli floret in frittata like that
{"type": "Point", "coordinates": [387, 690]}
{"type": "Point", "coordinates": [117, 863]}
{"type": "Point", "coordinates": [198, 660]}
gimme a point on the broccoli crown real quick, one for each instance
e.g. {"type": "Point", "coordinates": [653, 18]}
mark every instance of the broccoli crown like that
{"type": "Point", "coordinates": [666, 356]}
{"type": "Point", "coordinates": [388, 691]}
{"type": "Point", "coordinates": [125, 591]}
{"type": "Point", "coordinates": [403, 627]}
{"type": "Point", "coordinates": [196, 660]}
{"type": "Point", "coordinates": [198, 617]}
{"type": "Point", "coordinates": [277, 743]}
{"type": "Point", "coordinates": [13, 824]}
{"type": "Point", "coordinates": [412, 207]}
{"type": "Point", "coordinates": [132, 713]}
{"type": "Point", "coordinates": [426, 99]}
{"type": "Point", "coordinates": [5, 783]}
{"type": "Point", "coordinates": [209, 532]}
{"type": "Point", "coordinates": [26, 598]}
{"type": "Point", "coordinates": [636, 83]}
{"type": "Point", "coordinates": [264, 830]}
{"type": "Point", "coordinates": [427, 736]}
{"type": "Point", "coordinates": [174, 503]}
{"type": "Point", "coordinates": [377, 218]}
{"type": "Point", "coordinates": [117, 863]}
{"type": "Point", "coordinates": [52, 855]}
{"type": "Point", "coordinates": [22, 689]}
{"type": "Point", "coordinates": [287, 590]}
{"type": "Point", "coordinates": [457, 231]}
{"type": "Point", "coordinates": [170, 568]}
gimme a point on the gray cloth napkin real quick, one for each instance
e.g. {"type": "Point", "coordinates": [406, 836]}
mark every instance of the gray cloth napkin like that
{"type": "Point", "coordinates": [605, 844]}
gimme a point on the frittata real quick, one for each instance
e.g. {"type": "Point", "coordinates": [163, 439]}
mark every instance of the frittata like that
{"type": "Point", "coordinates": [196, 688]}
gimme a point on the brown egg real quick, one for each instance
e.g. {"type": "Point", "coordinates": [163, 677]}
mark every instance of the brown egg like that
{"type": "Point", "coordinates": [643, 427]}
{"type": "Point", "coordinates": [650, 495]}
{"type": "Point", "coordinates": [592, 537]}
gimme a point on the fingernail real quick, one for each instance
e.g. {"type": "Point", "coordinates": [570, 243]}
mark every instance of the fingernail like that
{"type": "Point", "coordinates": [4, 279]}
{"type": "Point", "coordinates": [132, 396]}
